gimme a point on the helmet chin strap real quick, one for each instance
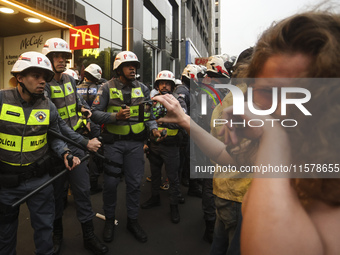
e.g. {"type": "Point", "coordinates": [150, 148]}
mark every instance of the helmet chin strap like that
{"type": "Point", "coordinates": [52, 62]}
{"type": "Point", "coordinates": [34, 96]}
{"type": "Point", "coordinates": [128, 78]}
{"type": "Point", "coordinates": [121, 73]}
{"type": "Point", "coordinates": [164, 92]}
{"type": "Point", "coordinates": [133, 79]}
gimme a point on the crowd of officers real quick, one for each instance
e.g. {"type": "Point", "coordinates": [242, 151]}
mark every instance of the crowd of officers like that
{"type": "Point", "coordinates": [44, 101]}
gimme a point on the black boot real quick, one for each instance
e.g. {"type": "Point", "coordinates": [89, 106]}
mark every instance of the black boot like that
{"type": "Point", "coordinates": [209, 231]}
{"type": "Point", "coordinates": [152, 202]}
{"type": "Point", "coordinates": [108, 230]}
{"type": "Point", "coordinates": [175, 218]}
{"type": "Point", "coordinates": [91, 241]}
{"type": "Point", "coordinates": [95, 188]}
{"type": "Point", "coordinates": [57, 235]}
{"type": "Point", "coordinates": [134, 227]}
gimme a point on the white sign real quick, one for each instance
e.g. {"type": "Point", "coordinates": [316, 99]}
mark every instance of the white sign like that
{"type": "Point", "coordinates": [16, 45]}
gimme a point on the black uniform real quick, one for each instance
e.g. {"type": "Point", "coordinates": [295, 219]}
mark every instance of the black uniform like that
{"type": "Point", "coordinates": [21, 166]}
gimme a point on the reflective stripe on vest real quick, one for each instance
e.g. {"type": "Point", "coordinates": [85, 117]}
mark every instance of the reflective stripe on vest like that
{"type": "Point", "coordinates": [169, 132]}
{"type": "Point", "coordinates": [21, 142]}
{"type": "Point", "coordinates": [125, 129]}
{"type": "Point", "coordinates": [24, 144]}
{"type": "Point", "coordinates": [65, 101]}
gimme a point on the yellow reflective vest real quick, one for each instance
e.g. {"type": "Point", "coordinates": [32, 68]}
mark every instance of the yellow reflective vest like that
{"type": "Point", "coordinates": [65, 99]}
{"type": "Point", "coordinates": [22, 142]}
{"type": "Point", "coordinates": [115, 104]}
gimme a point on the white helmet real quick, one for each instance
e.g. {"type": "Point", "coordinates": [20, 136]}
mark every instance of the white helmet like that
{"type": "Point", "coordinates": [178, 82]}
{"type": "Point", "coordinates": [225, 57]}
{"type": "Point", "coordinates": [32, 59]}
{"type": "Point", "coordinates": [190, 72]}
{"type": "Point", "coordinates": [215, 67]}
{"type": "Point", "coordinates": [165, 75]}
{"type": "Point", "coordinates": [125, 57]}
{"type": "Point", "coordinates": [57, 45]}
{"type": "Point", "coordinates": [94, 70]}
{"type": "Point", "coordinates": [72, 73]}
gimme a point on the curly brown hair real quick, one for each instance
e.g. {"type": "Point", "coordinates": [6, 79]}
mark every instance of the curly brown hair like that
{"type": "Point", "coordinates": [315, 34]}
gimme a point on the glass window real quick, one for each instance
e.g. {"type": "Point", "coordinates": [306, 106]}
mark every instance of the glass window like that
{"type": "Point", "coordinates": [100, 12]}
{"type": "Point", "coordinates": [116, 33]}
{"type": "Point", "coordinates": [102, 5]}
{"type": "Point", "coordinates": [216, 6]}
{"type": "Point", "coordinates": [148, 64]}
{"type": "Point", "coordinates": [216, 37]}
{"type": "Point", "coordinates": [117, 8]}
{"type": "Point", "coordinates": [150, 27]}
{"type": "Point", "coordinates": [102, 56]}
{"type": "Point", "coordinates": [216, 22]}
{"type": "Point", "coordinates": [169, 29]}
{"type": "Point", "coordinates": [94, 16]}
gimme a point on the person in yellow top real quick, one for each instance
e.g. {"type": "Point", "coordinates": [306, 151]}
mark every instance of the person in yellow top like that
{"type": "Point", "coordinates": [228, 188]}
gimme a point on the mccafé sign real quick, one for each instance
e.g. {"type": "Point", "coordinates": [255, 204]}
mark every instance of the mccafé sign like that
{"type": "Point", "coordinates": [84, 37]}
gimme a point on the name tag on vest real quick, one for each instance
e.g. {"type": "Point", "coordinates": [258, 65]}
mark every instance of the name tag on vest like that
{"type": "Point", "coordinates": [13, 113]}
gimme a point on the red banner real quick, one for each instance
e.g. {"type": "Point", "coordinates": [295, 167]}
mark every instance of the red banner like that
{"type": "Point", "coordinates": [84, 37]}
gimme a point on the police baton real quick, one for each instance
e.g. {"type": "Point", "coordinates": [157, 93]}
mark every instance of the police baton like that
{"type": "Point", "coordinates": [68, 140]}
{"type": "Point", "coordinates": [60, 136]}
{"type": "Point", "coordinates": [44, 185]}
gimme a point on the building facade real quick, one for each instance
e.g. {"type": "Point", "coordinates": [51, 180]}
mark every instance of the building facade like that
{"type": "Point", "coordinates": [217, 27]}
{"type": "Point", "coordinates": [164, 34]}
{"type": "Point", "coordinates": [197, 34]}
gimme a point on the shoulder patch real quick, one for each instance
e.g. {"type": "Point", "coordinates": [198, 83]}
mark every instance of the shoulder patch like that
{"type": "Point", "coordinates": [96, 100]}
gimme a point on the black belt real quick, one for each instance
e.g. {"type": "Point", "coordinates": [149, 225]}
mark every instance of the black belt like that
{"type": "Point", "coordinates": [123, 137]}
{"type": "Point", "coordinates": [23, 172]}
{"type": "Point", "coordinates": [130, 136]}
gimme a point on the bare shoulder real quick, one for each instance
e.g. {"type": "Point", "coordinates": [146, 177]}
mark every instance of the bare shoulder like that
{"type": "Point", "coordinates": [327, 221]}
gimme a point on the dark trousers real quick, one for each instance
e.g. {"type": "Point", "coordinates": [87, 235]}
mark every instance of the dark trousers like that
{"type": "Point", "coordinates": [169, 156]}
{"type": "Point", "coordinates": [227, 232]}
{"type": "Point", "coordinates": [79, 180]}
{"type": "Point", "coordinates": [41, 208]}
{"type": "Point", "coordinates": [208, 200]}
{"type": "Point", "coordinates": [129, 153]}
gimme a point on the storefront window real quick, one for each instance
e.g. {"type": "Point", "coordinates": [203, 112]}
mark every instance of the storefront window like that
{"type": "Point", "coordinates": [102, 56]}
{"type": "Point", "coordinates": [108, 14]}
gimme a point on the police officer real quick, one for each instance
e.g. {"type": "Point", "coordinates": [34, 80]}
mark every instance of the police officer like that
{"type": "Point", "coordinates": [88, 90]}
{"type": "Point", "coordinates": [117, 107]}
{"type": "Point", "coordinates": [89, 87]}
{"type": "Point", "coordinates": [166, 152]}
{"type": "Point", "coordinates": [188, 90]}
{"type": "Point", "coordinates": [216, 74]}
{"type": "Point", "coordinates": [25, 117]}
{"type": "Point", "coordinates": [73, 73]}
{"type": "Point", "coordinates": [62, 91]}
